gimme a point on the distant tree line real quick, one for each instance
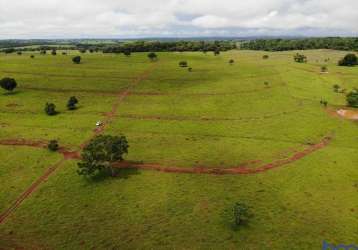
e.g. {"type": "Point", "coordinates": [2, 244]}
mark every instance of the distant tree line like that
{"type": "Point", "coordinates": [122, 47]}
{"type": "Point", "coordinates": [147, 46]}
{"type": "Point", "coordinates": [337, 43]}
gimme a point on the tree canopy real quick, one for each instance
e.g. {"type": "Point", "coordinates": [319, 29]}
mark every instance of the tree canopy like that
{"type": "Point", "coordinates": [152, 56]}
{"type": "Point", "coordinates": [349, 60]}
{"type": "Point", "coordinates": [352, 98]}
{"type": "Point", "coordinates": [71, 104]}
{"type": "Point", "coordinates": [101, 152]}
{"type": "Point", "coordinates": [8, 84]}
{"type": "Point", "coordinates": [76, 59]}
{"type": "Point", "coordinates": [337, 43]}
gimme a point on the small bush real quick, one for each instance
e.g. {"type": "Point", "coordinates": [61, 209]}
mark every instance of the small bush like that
{"type": "Point", "coordinates": [324, 103]}
{"type": "Point", "coordinates": [76, 59]}
{"type": "Point", "coordinates": [336, 88]}
{"type": "Point", "coordinates": [190, 69]}
{"type": "Point", "coordinates": [183, 64]}
{"type": "Point", "coordinates": [32, 56]}
{"type": "Point", "coordinates": [152, 56]}
{"type": "Point", "coordinates": [265, 57]}
{"type": "Point", "coordinates": [71, 104]}
{"type": "Point", "coordinates": [50, 109]}
{"type": "Point", "coordinates": [53, 145]}
{"type": "Point", "coordinates": [324, 69]}
{"type": "Point", "coordinates": [300, 58]}
{"type": "Point", "coordinates": [352, 98]}
{"type": "Point", "coordinates": [231, 61]}
{"type": "Point", "coordinates": [241, 213]}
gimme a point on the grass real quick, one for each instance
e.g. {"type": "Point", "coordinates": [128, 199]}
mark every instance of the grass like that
{"type": "Point", "coordinates": [216, 116]}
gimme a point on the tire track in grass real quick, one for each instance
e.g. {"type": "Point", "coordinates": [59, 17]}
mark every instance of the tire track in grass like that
{"type": "Point", "coordinates": [30, 190]}
{"type": "Point", "coordinates": [70, 155]}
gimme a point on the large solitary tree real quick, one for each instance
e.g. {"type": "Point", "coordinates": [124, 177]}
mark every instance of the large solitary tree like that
{"type": "Point", "coordinates": [100, 154]}
{"type": "Point", "coordinates": [8, 84]}
{"type": "Point", "coordinates": [349, 60]}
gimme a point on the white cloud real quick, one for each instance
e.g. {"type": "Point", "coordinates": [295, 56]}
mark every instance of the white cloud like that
{"type": "Point", "coordinates": [113, 18]}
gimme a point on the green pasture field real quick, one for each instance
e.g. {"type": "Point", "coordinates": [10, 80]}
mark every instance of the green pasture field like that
{"type": "Point", "coordinates": [217, 116]}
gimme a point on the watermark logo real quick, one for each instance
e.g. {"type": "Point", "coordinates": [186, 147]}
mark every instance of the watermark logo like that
{"type": "Point", "coordinates": [328, 246]}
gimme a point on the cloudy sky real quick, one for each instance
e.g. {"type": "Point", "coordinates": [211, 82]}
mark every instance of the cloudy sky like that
{"type": "Point", "coordinates": [175, 18]}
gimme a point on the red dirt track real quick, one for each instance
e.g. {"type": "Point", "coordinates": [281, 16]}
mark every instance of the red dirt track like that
{"type": "Point", "coordinates": [243, 169]}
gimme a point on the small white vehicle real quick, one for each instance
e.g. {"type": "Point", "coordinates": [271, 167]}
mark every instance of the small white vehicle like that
{"type": "Point", "coordinates": [99, 123]}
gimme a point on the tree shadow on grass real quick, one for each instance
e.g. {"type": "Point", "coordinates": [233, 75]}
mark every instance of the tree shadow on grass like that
{"type": "Point", "coordinates": [11, 93]}
{"type": "Point", "coordinates": [124, 173]}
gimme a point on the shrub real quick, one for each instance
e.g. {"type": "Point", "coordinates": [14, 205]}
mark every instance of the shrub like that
{"type": "Point", "coordinates": [64, 53]}
{"type": "Point", "coordinates": [183, 64]}
{"type": "Point", "coordinates": [43, 52]}
{"type": "Point", "coordinates": [71, 104]}
{"type": "Point", "coordinates": [265, 57]}
{"type": "Point", "coordinates": [127, 52]}
{"type": "Point", "coordinates": [152, 56]}
{"type": "Point", "coordinates": [349, 60]}
{"type": "Point", "coordinates": [53, 145]}
{"type": "Point", "coordinates": [50, 109]}
{"type": "Point", "coordinates": [241, 213]}
{"type": "Point", "coordinates": [324, 69]}
{"type": "Point", "coordinates": [19, 53]}
{"type": "Point", "coordinates": [216, 52]}
{"type": "Point", "coordinates": [76, 59]}
{"type": "Point", "coordinates": [100, 154]}
{"type": "Point", "coordinates": [32, 56]}
{"type": "Point", "coordinates": [190, 69]}
{"type": "Point", "coordinates": [231, 61]}
{"type": "Point", "coordinates": [53, 52]}
{"type": "Point", "coordinates": [8, 84]}
{"type": "Point", "coordinates": [324, 103]}
{"type": "Point", "coordinates": [352, 98]}
{"type": "Point", "coordinates": [300, 58]}
{"type": "Point", "coordinates": [336, 88]}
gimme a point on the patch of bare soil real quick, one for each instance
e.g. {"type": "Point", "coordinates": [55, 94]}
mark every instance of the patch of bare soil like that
{"type": "Point", "coordinates": [13, 105]}
{"type": "Point", "coordinates": [348, 114]}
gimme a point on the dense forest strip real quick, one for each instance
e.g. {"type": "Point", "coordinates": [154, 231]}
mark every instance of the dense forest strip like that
{"type": "Point", "coordinates": [336, 43]}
